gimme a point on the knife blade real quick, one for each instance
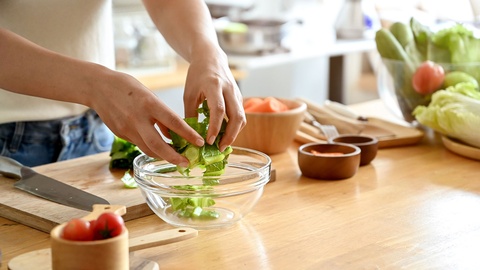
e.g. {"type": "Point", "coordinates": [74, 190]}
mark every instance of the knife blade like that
{"type": "Point", "coordinates": [46, 187]}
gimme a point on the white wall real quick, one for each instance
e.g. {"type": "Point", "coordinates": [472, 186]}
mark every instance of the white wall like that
{"type": "Point", "coordinates": [304, 78]}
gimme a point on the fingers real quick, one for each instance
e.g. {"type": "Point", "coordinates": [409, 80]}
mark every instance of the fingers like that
{"type": "Point", "coordinates": [148, 138]}
{"type": "Point", "coordinates": [236, 122]}
{"type": "Point", "coordinates": [152, 144]}
{"type": "Point", "coordinates": [224, 100]}
{"type": "Point", "coordinates": [217, 113]}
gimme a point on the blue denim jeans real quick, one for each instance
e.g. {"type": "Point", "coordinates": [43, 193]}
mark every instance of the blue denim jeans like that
{"type": "Point", "coordinates": [41, 142]}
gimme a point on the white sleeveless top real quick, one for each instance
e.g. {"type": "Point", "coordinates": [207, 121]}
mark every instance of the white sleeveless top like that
{"type": "Point", "coordinates": [76, 28]}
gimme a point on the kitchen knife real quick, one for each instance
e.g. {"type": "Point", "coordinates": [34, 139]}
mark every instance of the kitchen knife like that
{"type": "Point", "coordinates": [46, 187]}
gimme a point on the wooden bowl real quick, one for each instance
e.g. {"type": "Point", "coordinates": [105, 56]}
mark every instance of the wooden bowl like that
{"type": "Point", "coordinates": [368, 146]}
{"type": "Point", "coordinates": [112, 253]}
{"type": "Point", "coordinates": [272, 133]}
{"type": "Point", "coordinates": [333, 161]}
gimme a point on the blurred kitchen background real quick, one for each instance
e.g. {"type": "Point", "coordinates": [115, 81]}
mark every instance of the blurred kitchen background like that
{"type": "Point", "coordinates": [315, 49]}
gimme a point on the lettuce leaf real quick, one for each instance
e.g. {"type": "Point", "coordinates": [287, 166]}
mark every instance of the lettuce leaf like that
{"type": "Point", "coordinates": [454, 112]}
{"type": "Point", "coordinates": [208, 158]}
{"type": "Point", "coordinates": [207, 154]}
{"type": "Point", "coordinates": [460, 42]}
{"type": "Point", "coordinates": [122, 154]}
{"type": "Point", "coordinates": [462, 46]}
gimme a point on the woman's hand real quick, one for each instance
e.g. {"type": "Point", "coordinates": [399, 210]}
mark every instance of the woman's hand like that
{"type": "Point", "coordinates": [131, 111]}
{"type": "Point", "coordinates": [210, 78]}
{"type": "Point", "coordinates": [187, 26]}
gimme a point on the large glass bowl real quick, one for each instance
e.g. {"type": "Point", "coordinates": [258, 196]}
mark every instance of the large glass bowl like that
{"type": "Point", "coordinates": [394, 80]}
{"type": "Point", "coordinates": [224, 199]}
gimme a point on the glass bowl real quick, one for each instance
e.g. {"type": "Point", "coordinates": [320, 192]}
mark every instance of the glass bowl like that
{"type": "Point", "coordinates": [394, 80]}
{"type": "Point", "coordinates": [203, 202]}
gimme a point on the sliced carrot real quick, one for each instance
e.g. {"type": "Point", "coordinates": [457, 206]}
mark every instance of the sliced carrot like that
{"type": "Point", "coordinates": [251, 102]}
{"type": "Point", "coordinates": [269, 104]}
{"type": "Point", "coordinates": [276, 102]}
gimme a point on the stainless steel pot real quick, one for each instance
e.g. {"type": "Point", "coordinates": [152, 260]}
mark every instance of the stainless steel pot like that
{"type": "Point", "coordinates": [225, 10]}
{"type": "Point", "coordinates": [262, 35]}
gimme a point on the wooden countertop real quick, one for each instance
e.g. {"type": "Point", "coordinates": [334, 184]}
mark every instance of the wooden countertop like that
{"type": "Point", "coordinates": [414, 207]}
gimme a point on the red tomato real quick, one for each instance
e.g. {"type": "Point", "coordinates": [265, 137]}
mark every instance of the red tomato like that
{"type": "Point", "coordinates": [77, 230]}
{"type": "Point", "coordinates": [428, 78]}
{"type": "Point", "coordinates": [108, 225]}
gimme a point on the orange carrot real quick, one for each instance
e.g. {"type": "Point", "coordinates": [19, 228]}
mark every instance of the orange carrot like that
{"type": "Point", "coordinates": [269, 104]}
{"type": "Point", "coordinates": [251, 102]}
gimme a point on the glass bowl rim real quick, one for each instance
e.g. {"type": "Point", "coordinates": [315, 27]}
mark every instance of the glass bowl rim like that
{"type": "Point", "coordinates": [398, 62]}
{"type": "Point", "coordinates": [168, 176]}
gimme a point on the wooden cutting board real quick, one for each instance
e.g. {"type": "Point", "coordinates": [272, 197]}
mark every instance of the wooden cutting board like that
{"type": "Point", "coordinates": [401, 135]}
{"type": "Point", "coordinates": [90, 173]}
{"type": "Point", "coordinates": [389, 134]}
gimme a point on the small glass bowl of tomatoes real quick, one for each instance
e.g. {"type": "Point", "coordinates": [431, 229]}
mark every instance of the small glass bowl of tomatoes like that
{"type": "Point", "coordinates": [402, 87]}
{"type": "Point", "coordinates": [203, 202]}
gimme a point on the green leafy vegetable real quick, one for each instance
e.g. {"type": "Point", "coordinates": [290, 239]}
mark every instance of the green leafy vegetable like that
{"type": "Point", "coordinates": [193, 207]}
{"type": "Point", "coordinates": [460, 43]}
{"type": "Point", "coordinates": [208, 158]}
{"type": "Point", "coordinates": [128, 180]}
{"type": "Point", "coordinates": [454, 46]}
{"type": "Point", "coordinates": [455, 112]}
{"type": "Point", "coordinates": [122, 154]}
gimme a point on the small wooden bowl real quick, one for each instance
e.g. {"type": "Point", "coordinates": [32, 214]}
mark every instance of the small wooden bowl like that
{"type": "Point", "coordinates": [368, 145]}
{"type": "Point", "coordinates": [272, 133]}
{"type": "Point", "coordinates": [335, 161]}
{"type": "Point", "coordinates": [112, 253]}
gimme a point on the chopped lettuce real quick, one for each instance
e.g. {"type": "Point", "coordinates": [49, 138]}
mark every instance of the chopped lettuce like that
{"type": "Point", "coordinates": [208, 158]}
{"type": "Point", "coordinates": [128, 180]}
{"type": "Point", "coordinates": [193, 207]}
{"type": "Point", "coordinates": [454, 112]}
{"type": "Point", "coordinates": [122, 154]}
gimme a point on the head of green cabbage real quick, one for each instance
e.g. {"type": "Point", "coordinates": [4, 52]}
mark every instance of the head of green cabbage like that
{"type": "Point", "coordinates": [454, 112]}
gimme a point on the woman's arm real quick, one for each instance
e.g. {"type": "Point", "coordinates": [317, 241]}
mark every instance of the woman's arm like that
{"type": "Point", "coordinates": [187, 27]}
{"type": "Point", "coordinates": [126, 106]}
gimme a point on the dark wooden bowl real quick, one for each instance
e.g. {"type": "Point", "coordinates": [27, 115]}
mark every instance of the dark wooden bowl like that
{"type": "Point", "coordinates": [368, 145]}
{"type": "Point", "coordinates": [335, 161]}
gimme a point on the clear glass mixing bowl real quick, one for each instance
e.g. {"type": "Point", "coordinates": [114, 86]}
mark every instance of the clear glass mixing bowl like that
{"type": "Point", "coordinates": [204, 202]}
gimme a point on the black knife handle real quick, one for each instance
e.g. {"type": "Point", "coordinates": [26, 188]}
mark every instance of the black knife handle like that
{"type": "Point", "coordinates": [10, 168]}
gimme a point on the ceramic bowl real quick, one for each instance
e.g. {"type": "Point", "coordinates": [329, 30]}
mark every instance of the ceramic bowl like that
{"type": "Point", "coordinates": [272, 133]}
{"type": "Point", "coordinates": [368, 146]}
{"type": "Point", "coordinates": [328, 161]}
{"type": "Point", "coordinates": [203, 202]}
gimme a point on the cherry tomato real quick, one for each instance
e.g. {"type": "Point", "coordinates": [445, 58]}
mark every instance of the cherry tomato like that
{"type": "Point", "coordinates": [108, 225]}
{"type": "Point", "coordinates": [428, 78]}
{"type": "Point", "coordinates": [77, 230]}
